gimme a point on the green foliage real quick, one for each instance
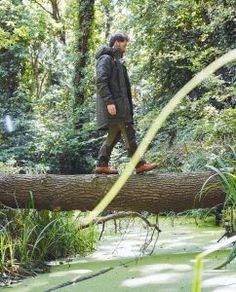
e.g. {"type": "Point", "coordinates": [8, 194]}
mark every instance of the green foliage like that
{"type": "Point", "coordinates": [28, 237]}
{"type": "Point", "coordinates": [170, 42]}
{"type": "Point", "coordinates": [41, 103]}
{"type": "Point", "coordinates": [226, 172]}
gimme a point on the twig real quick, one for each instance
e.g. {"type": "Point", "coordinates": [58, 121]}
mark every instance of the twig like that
{"type": "Point", "coordinates": [43, 7]}
{"type": "Point", "coordinates": [103, 228]}
{"type": "Point", "coordinates": [100, 220]}
{"type": "Point", "coordinates": [231, 256]}
{"type": "Point", "coordinates": [157, 223]}
{"type": "Point", "coordinates": [79, 279]}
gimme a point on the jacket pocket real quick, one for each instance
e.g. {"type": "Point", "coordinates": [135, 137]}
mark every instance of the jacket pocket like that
{"type": "Point", "coordinates": [120, 109]}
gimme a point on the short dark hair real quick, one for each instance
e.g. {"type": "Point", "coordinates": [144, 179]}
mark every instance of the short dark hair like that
{"type": "Point", "coordinates": [119, 36]}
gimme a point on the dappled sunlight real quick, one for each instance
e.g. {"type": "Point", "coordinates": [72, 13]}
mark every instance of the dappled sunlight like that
{"type": "Point", "coordinates": [176, 244]}
{"type": "Point", "coordinates": [152, 279]}
{"type": "Point", "coordinates": [32, 285]}
{"type": "Point", "coordinates": [148, 269]}
{"type": "Point", "coordinates": [225, 280]}
{"type": "Point", "coordinates": [199, 235]}
{"type": "Point", "coordinates": [66, 273]}
{"type": "Point", "coordinates": [125, 248]}
{"type": "Point", "coordinates": [225, 289]}
{"type": "Point", "coordinates": [168, 274]}
{"type": "Point", "coordinates": [188, 237]}
{"type": "Point", "coordinates": [211, 231]}
{"type": "Point", "coordinates": [204, 260]}
{"type": "Point", "coordinates": [131, 242]}
{"type": "Point", "coordinates": [165, 241]}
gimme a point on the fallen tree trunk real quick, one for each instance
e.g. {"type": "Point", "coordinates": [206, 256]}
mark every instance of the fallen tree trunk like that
{"type": "Point", "coordinates": [150, 192]}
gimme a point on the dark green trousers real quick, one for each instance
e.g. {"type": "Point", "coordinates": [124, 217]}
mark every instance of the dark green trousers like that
{"type": "Point", "coordinates": [127, 131]}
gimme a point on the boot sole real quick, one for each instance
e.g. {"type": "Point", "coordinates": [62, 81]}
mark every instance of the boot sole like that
{"type": "Point", "coordinates": [105, 173]}
{"type": "Point", "coordinates": [108, 173]}
{"type": "Point", "coordinates": [146, 170]}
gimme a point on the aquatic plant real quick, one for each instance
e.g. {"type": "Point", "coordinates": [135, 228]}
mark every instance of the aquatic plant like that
{"type": "Point", "coordinates": [227, 182]}
{"type": "Point", "coordinates": [226, 172]}
{"type": "Point", "coordinates": [29, 237]}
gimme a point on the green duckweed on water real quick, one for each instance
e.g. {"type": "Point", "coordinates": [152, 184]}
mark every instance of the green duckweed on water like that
{"type": "Point", "coordinates": [169, 268]}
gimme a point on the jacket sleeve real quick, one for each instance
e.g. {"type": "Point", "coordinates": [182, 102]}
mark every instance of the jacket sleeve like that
{"type": "Point", "coordinates": [103, 73]}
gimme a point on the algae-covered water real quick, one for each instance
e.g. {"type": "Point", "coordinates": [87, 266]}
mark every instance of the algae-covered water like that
{"type": "Point", "coordinates": [118, 263]}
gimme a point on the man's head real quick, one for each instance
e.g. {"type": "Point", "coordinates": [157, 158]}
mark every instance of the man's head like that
{"type": "Point", "coordinates": [119, 40]}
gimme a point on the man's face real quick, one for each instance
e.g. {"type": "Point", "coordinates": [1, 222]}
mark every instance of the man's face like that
{"type": "Point", "coordinates": [122, 45]}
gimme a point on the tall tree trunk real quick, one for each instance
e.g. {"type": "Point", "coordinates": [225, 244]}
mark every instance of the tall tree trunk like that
{"type": "Point", "coordinates": [85, 20]}
{"type": "Point", "coordinates": [108, 12]}
{"type": "Point", "coordinates": [56, 15]}
{"type": "Point", "coordinates": [151, 192]}
{"type": "Point", "coordinates": [12, 68]}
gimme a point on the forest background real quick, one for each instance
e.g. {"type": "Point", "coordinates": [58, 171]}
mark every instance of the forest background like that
{"type": "Point", "coordinates": [48, 89]}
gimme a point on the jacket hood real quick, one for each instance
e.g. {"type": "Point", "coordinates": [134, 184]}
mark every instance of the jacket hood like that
{"type": "Point", "coordinates": [106, 50]}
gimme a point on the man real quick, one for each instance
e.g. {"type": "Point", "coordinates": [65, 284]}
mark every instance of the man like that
{"type": "Point", "coordinates": [114, 104]}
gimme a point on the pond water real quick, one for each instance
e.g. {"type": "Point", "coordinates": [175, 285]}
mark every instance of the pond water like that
{"type": "Point", "coordinates": [119, 264]}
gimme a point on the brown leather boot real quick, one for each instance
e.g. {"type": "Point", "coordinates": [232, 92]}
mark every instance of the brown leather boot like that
{"type": "Point", "coordinates": [145, 167]}
{"type": "Point", "coordinates": [106, 170]}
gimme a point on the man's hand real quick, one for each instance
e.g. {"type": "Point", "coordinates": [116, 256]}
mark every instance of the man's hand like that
{"type": "Point", "coordinates": [111, 109]}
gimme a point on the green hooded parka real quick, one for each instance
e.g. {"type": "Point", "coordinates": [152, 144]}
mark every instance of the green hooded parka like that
{"type": "Point", "coordinates": [113, 87]}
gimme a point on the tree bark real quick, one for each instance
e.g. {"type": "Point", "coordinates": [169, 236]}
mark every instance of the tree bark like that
{"type": "Point", "coordinates": [149, 192]}
{"type": "Point", "coordinates": [85, 20]}
{"type": "Point", "coordinates": [108, 8]}
{"type": "Point", "coordinates": [56, 15]}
